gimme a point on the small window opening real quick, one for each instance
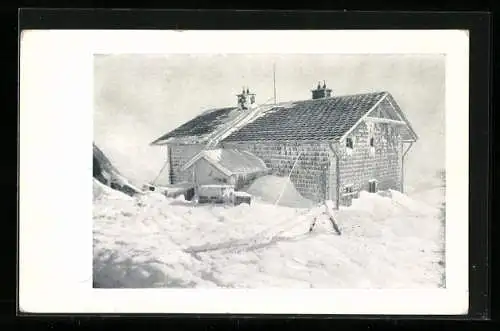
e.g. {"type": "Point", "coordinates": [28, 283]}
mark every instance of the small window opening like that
{"type": "Point", "coordinates": [348, 189]}
{"type": "Point", "coordinates": [372, 142]}
{"type": "Point", "coordinates": [348, 143]}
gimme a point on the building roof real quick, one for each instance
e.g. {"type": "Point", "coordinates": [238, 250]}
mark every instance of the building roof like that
{"type": "Point", "coordinates": [328, 118]}
{"type": "Point", "coordinates": [200, 127]}
{"type": "Point", "coordinates": [229, 161]}
{"type": "Point", "coordinates": [317, 119]}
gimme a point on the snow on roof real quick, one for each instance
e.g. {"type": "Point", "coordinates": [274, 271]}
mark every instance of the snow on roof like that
{"type": "Point", "coordinates": [244, 119]}
{"type": "Point", "coordinates": [214, 154]}
{"type": "Point", "coordinates": [242, 194]}
{"type": "Point", "coordinates": [316, 119]}
{"type": "Point", "coordinates": [230, 161]}
{"type": "Point", "coordinates": [213, 125]}
{"type": "Point", "coordinates": [200, 127]}
{"type": "Point", "coordinates": [216, 186]}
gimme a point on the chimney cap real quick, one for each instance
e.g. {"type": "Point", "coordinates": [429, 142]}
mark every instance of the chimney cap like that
{"type": "Point", "coordinates": [321, 91]}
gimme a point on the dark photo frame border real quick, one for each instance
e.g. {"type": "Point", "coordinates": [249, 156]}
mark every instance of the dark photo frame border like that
{"type": "Point", "coordinates": [480, 92]}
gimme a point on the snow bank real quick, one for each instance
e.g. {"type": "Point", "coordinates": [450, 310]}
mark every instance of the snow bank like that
{"type": "Point", "coordinates": [412, 204]}
{"type": "Point", "coordinates": [152, 241]}
{"type": "Point", "coordinates": [151, 198]}
{"type": "Point", "coordinates": [99, 190]}
{"type": "Point", "coordinates": [271, 188]}
{"type": "Point", "coordinates": [395, 215]}
{"type": "Point", "coordinates": [432, 197]}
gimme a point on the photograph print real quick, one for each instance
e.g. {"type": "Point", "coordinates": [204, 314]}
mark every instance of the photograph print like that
{"type": "Point", "coordinates": [256, 171]}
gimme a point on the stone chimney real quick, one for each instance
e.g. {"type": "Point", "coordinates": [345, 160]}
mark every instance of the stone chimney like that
{"type": "Point", "coordinates": [321, 91]}
{"type": "Point", "coordinates": [246, 100]}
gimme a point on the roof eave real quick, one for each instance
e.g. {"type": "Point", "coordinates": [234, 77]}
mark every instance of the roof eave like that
{"type": "Point", "coordinates": [395, 105]}
{"type": "Point", "coordinates": [388, 96]}
{"type": "Point", "coordinates": [348, 132]}
{"type": "Point", "coordinates": [178, 140]}
{"type": "Point", "coordinates": [202, 155]}
{"type": "Point", "coordinates": [158, 143]}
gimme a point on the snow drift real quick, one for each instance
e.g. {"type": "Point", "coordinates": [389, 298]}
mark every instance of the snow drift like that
{"type": "Point", "coordinates": [100, 191]}
{"type": "Point", "coordinates": [279, 190]}
{"type": "Point", "coordinates": [390, 241]}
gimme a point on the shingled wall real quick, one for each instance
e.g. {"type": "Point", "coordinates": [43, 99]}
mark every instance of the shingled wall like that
{"type": "Point", "coordinates": [312, 174]}
{"type": "Point", "coordinates": [179, 155]}
{"type": "Point", "coordinates": [362, 165]}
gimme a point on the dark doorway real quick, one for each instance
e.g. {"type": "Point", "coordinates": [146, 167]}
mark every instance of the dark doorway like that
{"type": "Point", "coordinates": [372, 186]}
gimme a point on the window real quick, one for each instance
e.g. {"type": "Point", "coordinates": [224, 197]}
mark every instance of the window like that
{"type": "Point", "coordinates": [348, 143]}
{"type": "Point", "coordinates": [372, 146]}
{"type": "Point", "coordinates": [348, 189]}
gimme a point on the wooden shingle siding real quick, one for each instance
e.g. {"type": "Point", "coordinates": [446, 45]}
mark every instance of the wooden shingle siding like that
{"type": "Point", "coordinates": [371, 123]}
{"type": "Point", "coordinates": [179, 155]}
{"type": "Point", "coordinates": [312, 173]}
{"type": "Point", "coordinates": [362, 165]}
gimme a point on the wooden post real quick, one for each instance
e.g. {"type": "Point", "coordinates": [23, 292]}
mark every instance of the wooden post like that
{"type": "Point", "coordinates": [170, 170]}
{"type": "Point", "coordinates": [337, 176]}
{"type": "Point", "coordinates": [401, 185]}
{"type": "Point", "coordinates": [313, 224]}
{"type": "Point", "coordinates": [274, 82]}
{"type": "Point", "coordinates": [403, 167]}
{"type": "Point", "coordinates": [332, 218]}
{"type": "Point", "coordinates": [195, 183]}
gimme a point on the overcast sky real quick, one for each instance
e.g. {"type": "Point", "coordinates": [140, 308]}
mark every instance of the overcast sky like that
{"type": "Point", "coordinates": [140, 97]}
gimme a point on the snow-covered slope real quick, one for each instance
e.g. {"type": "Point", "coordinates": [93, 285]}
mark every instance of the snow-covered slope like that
{"type": "Point", "coordinates": [106, 173]}
{"type": "Point", "coordinates": [101, 191]}
{"type": "Point", "coordinates": [388, 241]}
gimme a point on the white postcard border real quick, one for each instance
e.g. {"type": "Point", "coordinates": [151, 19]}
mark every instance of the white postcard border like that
{"type": "Point", "coordinates": [55, 225]}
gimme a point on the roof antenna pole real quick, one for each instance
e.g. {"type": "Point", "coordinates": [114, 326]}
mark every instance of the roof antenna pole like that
{"type": "Point", "coordinates": [274, 81]}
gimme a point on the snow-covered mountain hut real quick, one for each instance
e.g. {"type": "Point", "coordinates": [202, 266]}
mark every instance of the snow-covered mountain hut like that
{"type": "Point", "coordinates": [331, 146]}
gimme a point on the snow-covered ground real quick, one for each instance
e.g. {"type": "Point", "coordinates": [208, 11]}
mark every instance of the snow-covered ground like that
{"type": "Point", "coordinates": [391, 241]}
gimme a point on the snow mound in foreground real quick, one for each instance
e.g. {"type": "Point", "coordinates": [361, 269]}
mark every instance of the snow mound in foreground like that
{"type": "Point", "coordinates": [270, 188]}
{"type": "Point", "coordinates": [100, 190]}
{"type": "Point", "coordinates": [390, 241]}
{"type": "Point", "coordinates": [411, 204]}
{"type": "Point", "coordinates": [151, 198]}
{"type": "Point", "coordinates": [393, 215]}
